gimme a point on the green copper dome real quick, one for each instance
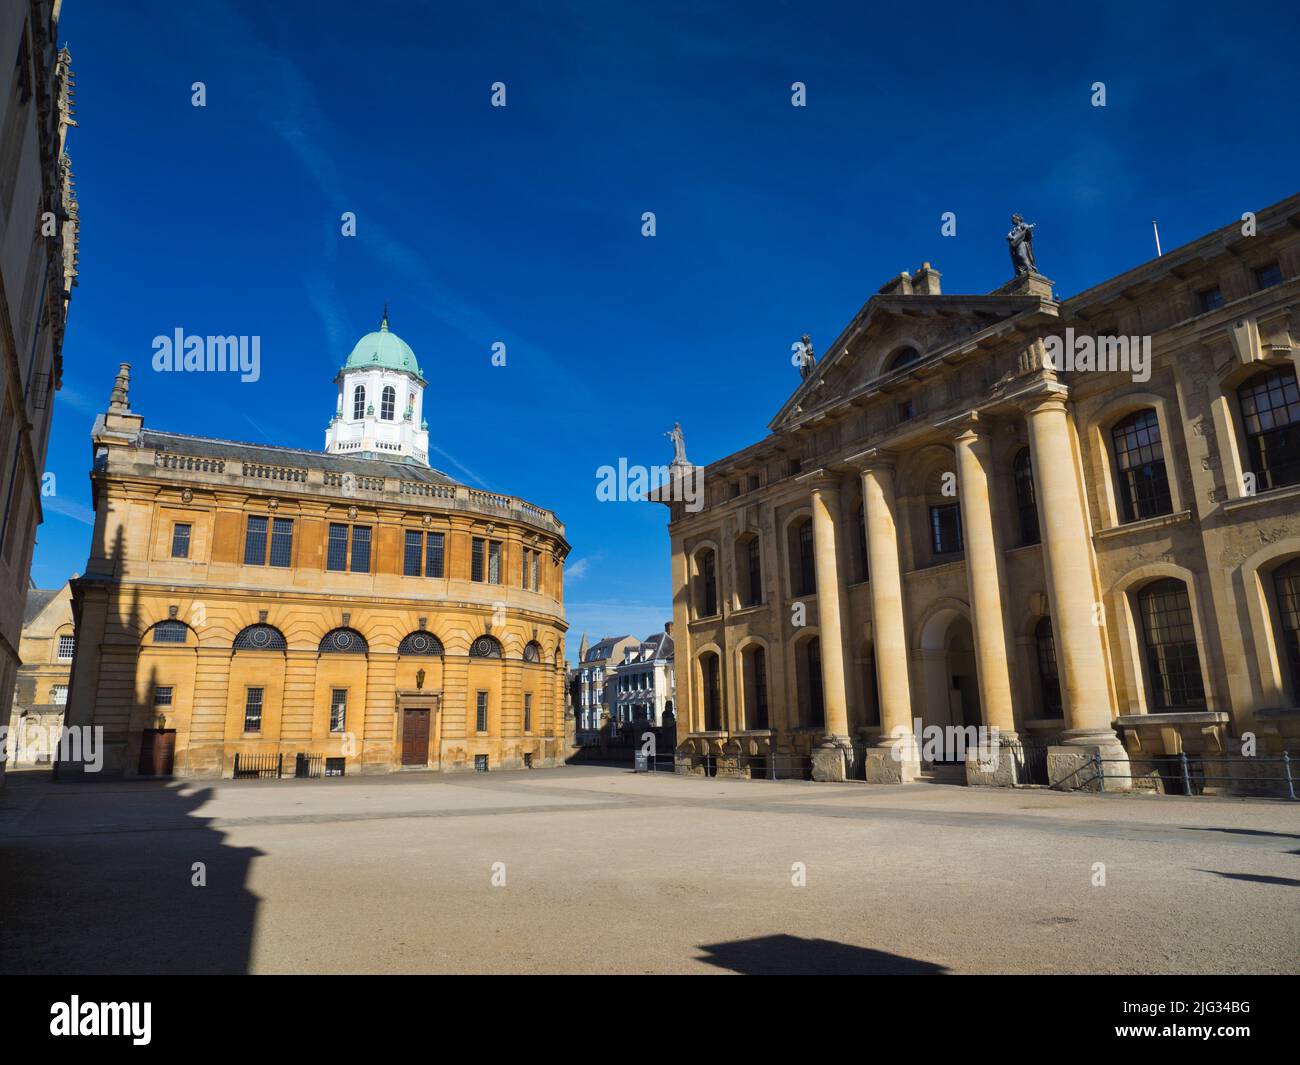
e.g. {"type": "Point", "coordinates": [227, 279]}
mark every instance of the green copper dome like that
{"type": "Point", "coordinates": [383, 350]}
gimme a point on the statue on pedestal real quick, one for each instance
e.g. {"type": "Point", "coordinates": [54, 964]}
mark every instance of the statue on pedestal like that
{"type": "Point", "coordinates": [679, 445]}
{"type": "Point", "coordinates": [1021, 241]}
{"type": "Point", "coordinates": [807, 358]}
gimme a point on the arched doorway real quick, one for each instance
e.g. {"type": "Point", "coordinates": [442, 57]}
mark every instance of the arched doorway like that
{"type": "Point", "coordinates": [951, 685]}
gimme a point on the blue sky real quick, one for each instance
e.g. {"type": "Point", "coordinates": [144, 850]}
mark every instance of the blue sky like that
{"type": "Point", "coordinates": [523, 224]}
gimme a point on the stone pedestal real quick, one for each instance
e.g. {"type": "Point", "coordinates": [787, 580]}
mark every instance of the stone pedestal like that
{"type": "Point", "coordinates": [1070, 765]}
{"type": "Point", "coordinates": [833, 761]}
{"type": "Point", "coordinates": [1000, 769]}
{"type": "Point", "coordinates": [884, 766]}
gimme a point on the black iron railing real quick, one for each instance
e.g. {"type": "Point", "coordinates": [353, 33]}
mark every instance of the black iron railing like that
{"type": "Point", "coordinates": [1196, 774]}
{"type": "Point", "coordinates": [258, 765]}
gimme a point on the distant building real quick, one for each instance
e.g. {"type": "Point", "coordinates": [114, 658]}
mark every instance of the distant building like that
{"type": "Point", "coordinates": [596, 679]}
{"type": "Point", "coordinates": [47, 647]}
{"type": "Point", "coordinates": [644, 682]}
{"type": "Point", "coordinates": [38, 269]}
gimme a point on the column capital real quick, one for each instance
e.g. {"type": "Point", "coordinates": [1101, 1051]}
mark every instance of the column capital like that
{"type": "Point", "coordinates": [968, 427]}
{"type": "Point", "coordinates": [1044, 402]}
{"type": "Point", "coordinates": [873, 459]}
{"type": "Point", "coordinates": [826, 479]}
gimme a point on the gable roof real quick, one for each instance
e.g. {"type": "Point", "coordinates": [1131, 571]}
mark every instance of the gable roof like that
{"type": "Point", "coordinates": [37, 600]}
{"type": "Point", "coordinates": [985, 317]}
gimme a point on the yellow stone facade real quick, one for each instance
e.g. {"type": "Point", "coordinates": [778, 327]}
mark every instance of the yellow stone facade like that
{"type": "Point", "coordinates": [161, 664]}
{"type": "Point", "coordinates": [948, 525]}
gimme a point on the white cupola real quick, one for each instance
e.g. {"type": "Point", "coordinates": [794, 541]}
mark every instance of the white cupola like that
{"type": "Point", "coordinates": [380, 408]}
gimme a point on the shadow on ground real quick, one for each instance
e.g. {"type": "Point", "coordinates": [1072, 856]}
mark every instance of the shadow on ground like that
{"type": "Point", "coordinates": [783, 955]}
{"type": "Point", "coordinates": [83, 896]}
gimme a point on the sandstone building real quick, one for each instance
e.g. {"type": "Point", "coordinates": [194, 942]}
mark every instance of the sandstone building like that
{"type": "Point", "coordinates": [354, 607]}
{"type": "Point", "coordinates": [47, 648]}
{"type": "Point", "coordinates": [948, 523]}
{"type": "Point", "coordinates": [38, 269]}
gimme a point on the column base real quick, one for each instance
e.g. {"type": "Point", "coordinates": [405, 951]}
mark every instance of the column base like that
{"type": "Point", "coordinates": [1071, 765]}
{"type": "Point", "coordinates": [833, 760]}
{"type": "Point", "coordinates": [892, 764]}
{"type": "Point", "coordinates": [1000, 770]}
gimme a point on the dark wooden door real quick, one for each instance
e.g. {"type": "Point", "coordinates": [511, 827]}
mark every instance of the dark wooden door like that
{"type": "Point", "coordinates": [415, 737]}
{"type": "Point", "coordinates": [157, 752]}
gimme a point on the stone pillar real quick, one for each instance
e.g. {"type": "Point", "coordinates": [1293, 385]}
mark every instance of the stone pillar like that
{"type": "Point", "coordinates": [833, 759]}
{"type": "Point", "coordinates": [1076, 619]}
{"type": "Point", "coordinates": [985, 576]}
{"type": "Point", "coordinates": [892, 761]}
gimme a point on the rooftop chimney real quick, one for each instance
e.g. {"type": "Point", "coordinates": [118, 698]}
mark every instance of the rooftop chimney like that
{"type": "Point", "coordinates": [925, 282]}
{"type": "Point", "coordinates": [899, 286]}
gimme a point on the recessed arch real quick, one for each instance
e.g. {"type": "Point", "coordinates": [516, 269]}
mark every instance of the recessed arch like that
{"type": "Point", "coordinates": [343, 641]}
{"type": "Point", "coordinates": [259, 637]}
{"type": "Point", "coordinates": [420, 643]}
{"type": "Point", "coordinates": [485, 646]}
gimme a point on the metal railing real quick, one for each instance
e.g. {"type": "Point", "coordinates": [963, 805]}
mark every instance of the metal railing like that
{"type": "Point", "coordinates": [272, 767]}
{"type": "Point", "coordinates": [258, 765]}
{"type": "Point", "coordinates": [1197, 774]}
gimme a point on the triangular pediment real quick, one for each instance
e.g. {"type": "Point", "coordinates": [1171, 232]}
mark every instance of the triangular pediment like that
{"type": "Point", "coordinates": [858, 363]}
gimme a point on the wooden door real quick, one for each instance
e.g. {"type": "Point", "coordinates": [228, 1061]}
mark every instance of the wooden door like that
{"type": "Point", "coordinates": [415, 737]}
{"type": "Point", "coordinates": [157, 752]}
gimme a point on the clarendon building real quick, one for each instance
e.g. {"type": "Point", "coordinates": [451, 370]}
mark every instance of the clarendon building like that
{"type": "Point", "coordinates": [347, 611]}
{"type": "Point", "coordinates": [949, 526]}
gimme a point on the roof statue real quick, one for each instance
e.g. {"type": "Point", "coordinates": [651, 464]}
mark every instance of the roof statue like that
{"type": "Point", "coordinates": [1021, 240]}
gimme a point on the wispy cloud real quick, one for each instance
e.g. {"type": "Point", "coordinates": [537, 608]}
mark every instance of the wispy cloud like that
{"type": "Point", "coordinates": [575, 571]}
{"type": "Point", "coordinates": [69, 509]}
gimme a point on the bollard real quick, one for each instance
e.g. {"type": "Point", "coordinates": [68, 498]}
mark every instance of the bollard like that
{"type": "Point", "coordinates": [1187, 780]}
{"type": "Point", "coordinates": [1290, 782]}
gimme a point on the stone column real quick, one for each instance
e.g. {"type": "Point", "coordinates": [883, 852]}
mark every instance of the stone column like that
{"type": "Point", "coordinates": [1076, 618]}
{"type": "Point", "coordinates": [985, 575]}
{"type": "Point", "coordinates": [833, 759]}
{"type": "Point", "coordinates": [894, 760]}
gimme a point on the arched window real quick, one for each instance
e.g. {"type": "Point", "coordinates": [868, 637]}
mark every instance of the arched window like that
{"type": "Point", "coordinates": [260, 638]}
{"type": "Point", "coordinates": [532, 651]}
{"type": "Point", "coordinates": [1270, 412]}
{"type": "Point", "coordinates": [485, 647]}
{"type": "Point", "coordinates": [706, 583]}
{"type": "Point", "coordinates": [1169, 637]}
{"type": "Point", "coordinates": [1286, 587]}
{"type": "Point", "coordinates": [754, 662]}
{"type": "Point", "coordinates": [345, 642]}
{"type": "Point", "coordinates": [420, 643]}
{"type": "Point", "coordinates": [802, 558]}
{"type": "Point", "coordinates": [171, 632]}
{"type": "Point", "coordinates": [1026, 506]}
{"type": "Point", "coordinates": [358, 403]}
{"type": "Point", "coordinates": [1049, 680]}
{"type": "Point", "coordinates": [902, 358]}
{"type": "Point", "coordinates": [1140, 464]}
{"type": "Point", "coordinates": [711, 691]}
{"type": "Point", "coordinates": [387, 403]}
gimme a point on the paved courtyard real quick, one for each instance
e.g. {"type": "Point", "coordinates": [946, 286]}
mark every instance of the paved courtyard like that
{"type": "Point", "coordinates": [607, 871]}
